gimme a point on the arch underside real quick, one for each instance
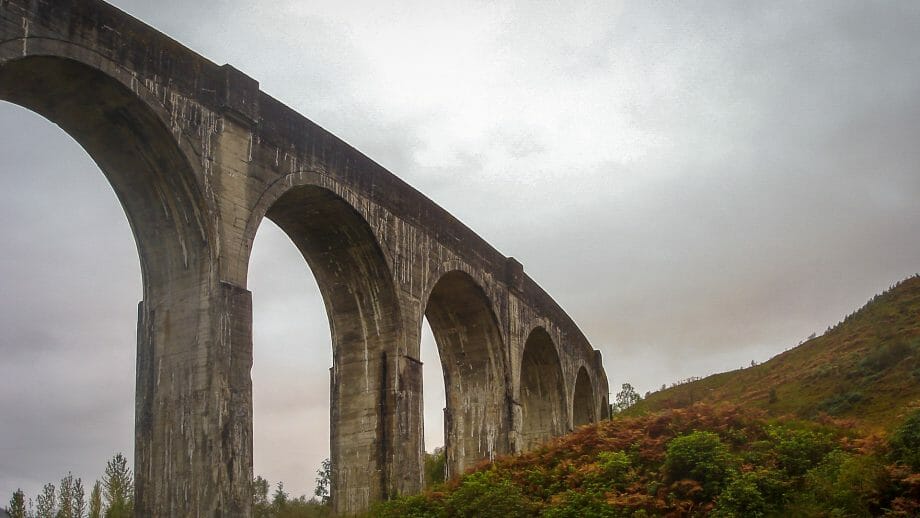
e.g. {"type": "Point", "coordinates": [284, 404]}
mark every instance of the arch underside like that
{"type": "Point", "coordinates": [476, 421]}
{"type": "Point", "coordinates": [542, 391]}
{"type": "Point", "coordinates": [361, 304]}
{"type": "Point", "coordinates": [583, 407]}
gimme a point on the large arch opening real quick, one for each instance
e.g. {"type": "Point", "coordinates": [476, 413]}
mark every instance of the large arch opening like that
{"type": "Point", "coordinates": [364, 322]}
{"type": "Point", "coordinates": [149, 172]}
{"type": "Point", "coordinates": [434, 407]}
{"type": "Point", "coordinates": [542, 391]}
{"type": "Point", "coordinates": [290, 368]}
{"type": "Point", "coordinates": [583, 407]}
{"type": "Point", "coordinates": [70, 281]}
{"type": "Point", "coordinates": [470, 348]}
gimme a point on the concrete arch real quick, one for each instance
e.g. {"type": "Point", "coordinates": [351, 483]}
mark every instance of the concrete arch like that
{"type": "Point", "coordinates": [583, 405]}
{"type": "Point", "coordinates": [154, 171]}
{"type": "Point", "coordinates": [127, 133]}
{"type": "Point", "coordinates": [364, 318]}
{"type": "Point", "coordinates": [542, 390]}
{"type": "Point", "coordinates": [470, 345]}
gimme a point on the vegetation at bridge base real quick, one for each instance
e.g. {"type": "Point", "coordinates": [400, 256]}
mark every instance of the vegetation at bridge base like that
{"type": "Point", "coordinates": [704, 460]}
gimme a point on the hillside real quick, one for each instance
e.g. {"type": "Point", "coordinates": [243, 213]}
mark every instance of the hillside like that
{"type": "Point", "coordinates": [698, 461]}
{"type": "Point", "coordinates": [866, 368]}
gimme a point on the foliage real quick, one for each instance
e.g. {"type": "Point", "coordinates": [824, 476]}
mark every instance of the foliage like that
{"type": "Point", "coordinates": [95, 501]}
{"type": "Point", "coordinates": [905, 442]}
{"type": "Point", "coordinates": [626, 397]}
{"type": "Point", "coordinates": [17, 508]}
{"type": "Point", "coordinates": [701, 457]}
{"type": "Point", "coordinates": [46, 503]}
{"type": "Point", "coordinates": [435, 467]}
{"type": "Point", "coordinates": [702, 460]}
{"type": "Point", "coordinates": [118, 488]}
{"type": "Point", "coordinates": [323, 482]}
{"type": "Point", "coordinates": [488, 495]}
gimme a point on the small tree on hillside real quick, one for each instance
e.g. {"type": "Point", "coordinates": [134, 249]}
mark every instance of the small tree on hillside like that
{"type": "Point", "coordinates": [95, 501]}
{"type": "Point", "coordinates": [79, 499]}
{"type": "Point", "coordinates": [45, 505]}
{"type": "Point", "coordinates": [626, 398]}
{"type": "Point", "coordinates": [17, 507]}
{"type": "Point", "coordinates": [118, 488]}
{"type": "Point", "coordinates": [65, 498]}
{"type": "Point", "coordinates": [324, 482]}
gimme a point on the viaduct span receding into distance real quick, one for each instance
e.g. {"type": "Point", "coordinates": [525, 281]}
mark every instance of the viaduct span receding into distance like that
{"type": "Point", "coordinates": [198, 157]}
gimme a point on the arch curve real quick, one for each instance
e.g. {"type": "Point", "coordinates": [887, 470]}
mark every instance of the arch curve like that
{"type": "Point", "coordinates": [128, 135]}
{"type": "Point", "coordinates": [542, 390]}
{"type": "Point", "coordinates": [583, 406]}
{"type": "Point", "coordinates": [361, 303]}
{"type": "Point", "coordinates": [471, 349]}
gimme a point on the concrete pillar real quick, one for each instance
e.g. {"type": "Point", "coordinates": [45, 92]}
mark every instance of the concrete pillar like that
{"type": "Point", "coordinates": [193, 448]}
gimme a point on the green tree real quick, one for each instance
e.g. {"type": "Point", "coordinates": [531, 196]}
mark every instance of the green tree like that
{"type": "Point", "coordinates": [324, 481]}
{"type": "Point", "coordinates": [45, 505]}
{"type": "Point", "coordinates": [279, 498]}
{"type": "Point", "coordinates": [95, 501]}
{"type": "Point", "coordinates": [65, 497]}
{"type": "Point", "coordinates": [118, 488]}
{"type": "Point", "coordinates": [17, 507]}
{"type": "Point", "coordinates": [260, 505]}
{"type": "Point", "coordinates": [626, 397]}
{"type": "Point", "coordinates": [79, 499]}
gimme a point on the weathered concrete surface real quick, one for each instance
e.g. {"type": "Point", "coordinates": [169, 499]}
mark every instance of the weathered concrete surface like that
{"type": "Point", "coordinates": [198, 156]}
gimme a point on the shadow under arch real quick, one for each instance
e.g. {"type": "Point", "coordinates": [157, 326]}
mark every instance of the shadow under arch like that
{"type": "Point", "coordinates": [153, 176]}
{"type": "Point", "coordinates": [364, 319]}
{"type": "Point", "coordinates": [583, 407]}
{"type": "Point", "coordinates": [543, 407]}
{"type": "Point", "coordinates": [470, 345]}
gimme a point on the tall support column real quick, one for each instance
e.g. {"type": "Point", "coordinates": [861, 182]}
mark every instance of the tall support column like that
{"type": "Point", "coordinates": [376, 425]}
{"type": "Point", "coordinates": [193, 448]}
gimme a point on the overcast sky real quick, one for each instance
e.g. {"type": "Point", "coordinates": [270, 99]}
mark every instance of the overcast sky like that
{"type": "Point", "coordinates": [698, 184]}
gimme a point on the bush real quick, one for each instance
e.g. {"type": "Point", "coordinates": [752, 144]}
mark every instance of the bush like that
{"type": "Point", "coordinates": [840, 403]}
{"type": "Point", "coordinates": [576, 504]}
{"type": "Point", "coordinates": [884, 357]}
{"type": "Point", "coordinates": [741, 497]}
{"type": "Point", "coordinates": [798, 450]}
{"type": "Point", "coordinates": [905, 442]}
{"type": "Point", "coordinates": [486, 494]}
{"type": "Point", "coordinates": [616, 468]}
{"type": "Point", "coordinates": [846, 484]}
{"type": "Point", "coordinates": [435, 467]}
{"type": "Point", "coordinates": [417, 506]}
{"type": "Point", "coordinates": [701, 457]}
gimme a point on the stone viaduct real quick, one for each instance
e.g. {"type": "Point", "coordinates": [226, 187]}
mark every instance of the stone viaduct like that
{"type": "Point", "coordinates": [198, 156]}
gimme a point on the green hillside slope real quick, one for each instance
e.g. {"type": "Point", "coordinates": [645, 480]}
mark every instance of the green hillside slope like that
{"type": "Point", "coordinates": [866, 368]}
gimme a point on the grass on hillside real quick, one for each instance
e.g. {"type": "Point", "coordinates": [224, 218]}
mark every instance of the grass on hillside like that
{"type": "Point", "coordinates": [866, 368]}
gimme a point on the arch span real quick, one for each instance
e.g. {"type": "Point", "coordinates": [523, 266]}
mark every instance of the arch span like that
{"type": "Point", "coordinates": [360, 299]}
{"type": "Point", "coordinates": [583, 407]}
{"type": "Point", "coordinates": [543, 408]}
{"type": "Point", "coordinates": [471, 349]}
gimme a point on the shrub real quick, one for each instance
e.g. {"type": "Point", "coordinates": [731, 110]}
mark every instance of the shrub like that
{"type": "Point", "coordinates": [840, 403]}
{"type": "Point", "coordinates": [577, 504]}
{"type": "Point", "coordinates": [741, 497]}
{"type": "Point", "coordinates": [701, 457]}
{"type": "Point", "coordinates": [846, 484]}
{"type": "Point", "coordinates": [905, 442]}
{"type": "Point", "coordinates": [416, 506]}
{"type": "Point", "coordinates": [616, 468]}
{"type": "Point", "coordinates": [798, 450]}
{"type": "Point", "coordinates": [486, 494]}
{"type": "Point", "coordinates": [884, 357]}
